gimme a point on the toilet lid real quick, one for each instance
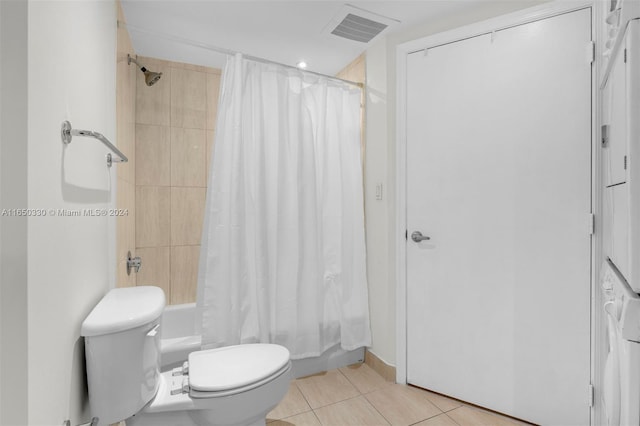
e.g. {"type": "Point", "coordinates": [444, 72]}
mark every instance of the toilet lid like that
{"type": "Point", "coordinates": [232, 367]}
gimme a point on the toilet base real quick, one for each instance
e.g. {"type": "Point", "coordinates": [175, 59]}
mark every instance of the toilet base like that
{"type": "Point", "coordinates": [187, 418]}
{"type": "Point", "coordinates": [182, 410]}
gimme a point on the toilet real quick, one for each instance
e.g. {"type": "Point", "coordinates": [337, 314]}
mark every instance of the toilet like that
{"type": "Point", "coordinates": [233, 385]}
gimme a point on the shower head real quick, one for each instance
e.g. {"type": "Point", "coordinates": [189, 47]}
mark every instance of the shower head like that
{"type": "Point", "coordinates": [150, 77]}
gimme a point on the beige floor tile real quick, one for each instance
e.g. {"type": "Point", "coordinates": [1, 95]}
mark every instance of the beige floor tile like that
{"type": "Point", "coordinates": [442, 402]}
{"type": "Point", "coordinates": [304, 419]}
{"type": "Point", "coordinates": [364, 378]}
{"type": "Point", "coordinates": [326, 388]}
{"type": "Point", "coordinates": [293, 403]}
{"type": "Point", "coordinates": [402, 405]}
{"type": "Point", "coordinates": [356, 411]}
{"type": "Point", "coordinates": [474, 416]}
{"type": "Point", "coordinates": [441, 420]}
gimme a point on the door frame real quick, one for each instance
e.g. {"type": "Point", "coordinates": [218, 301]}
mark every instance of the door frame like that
{"type": "Point", "coordinates": [489, 26]}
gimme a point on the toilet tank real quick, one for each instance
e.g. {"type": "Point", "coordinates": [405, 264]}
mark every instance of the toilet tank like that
{"type": "Point", "coordinates": [122, 351]}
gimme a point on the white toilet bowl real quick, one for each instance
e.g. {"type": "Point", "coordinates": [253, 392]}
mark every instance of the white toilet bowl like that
{"type": "Point", "coordinates": [233, 385]}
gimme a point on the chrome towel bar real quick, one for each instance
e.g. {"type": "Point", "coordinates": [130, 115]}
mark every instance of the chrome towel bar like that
{"type": "Point", "coordinates": [67, 132]}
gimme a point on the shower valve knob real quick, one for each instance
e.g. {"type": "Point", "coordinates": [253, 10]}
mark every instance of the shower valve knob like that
{"type": "Point", "coordinates": [133, 263]}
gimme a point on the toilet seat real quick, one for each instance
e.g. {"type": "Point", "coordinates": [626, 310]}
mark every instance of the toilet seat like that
{"type": "Point", "coordinates": [234, 369]}
{"type": "Point", "coordinates": [198, 394]}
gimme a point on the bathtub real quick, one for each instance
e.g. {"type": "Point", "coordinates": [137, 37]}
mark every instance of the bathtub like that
{"type": "Point", "coordinates": [179, 339]}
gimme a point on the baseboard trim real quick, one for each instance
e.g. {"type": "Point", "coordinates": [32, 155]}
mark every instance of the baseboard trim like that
{"type": "Point", "coordinates": [388, 372]}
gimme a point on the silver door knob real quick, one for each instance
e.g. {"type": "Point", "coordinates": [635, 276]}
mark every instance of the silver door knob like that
{"type": "Point", "coordinates": [417, 236]}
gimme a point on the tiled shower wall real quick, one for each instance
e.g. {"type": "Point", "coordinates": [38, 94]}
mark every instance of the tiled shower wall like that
{"type": "Point", "coordinates": [175, 122]}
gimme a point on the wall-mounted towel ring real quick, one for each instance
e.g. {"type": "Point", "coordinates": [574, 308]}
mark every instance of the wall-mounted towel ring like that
{"type": "Point", "coordinates": [67, 132]}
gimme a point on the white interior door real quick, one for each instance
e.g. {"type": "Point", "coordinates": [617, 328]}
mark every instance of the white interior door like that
{"type": "Point", "coordinates": [499, 177]}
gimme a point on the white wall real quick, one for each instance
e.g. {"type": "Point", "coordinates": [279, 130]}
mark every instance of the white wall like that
{"type": "Point", "coordinates": [1, 92]}
{"type": "Point", "coordinates": [381, 288]}
{"type": "Point", "coordinates": [13, 230]}
{"type": "Point", "coordinates": [71, 76]}
{"type": "Point", "coordinates": [380, 163]}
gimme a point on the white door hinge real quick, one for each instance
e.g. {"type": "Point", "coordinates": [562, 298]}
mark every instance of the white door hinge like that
{"type": "Point", "coordinates": [591, 223]}
{"type": "Point", "coordinates": [591, 395]}
{"type": "Point", "coordinates": [591, 52]}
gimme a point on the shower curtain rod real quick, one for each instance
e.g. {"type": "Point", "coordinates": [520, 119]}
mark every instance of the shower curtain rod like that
{"type": "Point", "coordinates": [228, 52]}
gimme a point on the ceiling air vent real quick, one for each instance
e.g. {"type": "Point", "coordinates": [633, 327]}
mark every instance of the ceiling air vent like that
{"type": "Point", "coordinates": [357, 28]}
{"type": "Point", "coordinates": [358, 24]}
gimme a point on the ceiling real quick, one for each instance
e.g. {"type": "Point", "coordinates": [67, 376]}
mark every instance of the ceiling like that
{"type": "Point", "coordinates": [282, 31]}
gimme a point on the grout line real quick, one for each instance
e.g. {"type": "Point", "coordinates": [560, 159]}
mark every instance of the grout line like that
{"type": "Point", "coordinates": [302, 393]}
{"type": "Point", "coordinates": [450, 409]}
{"type": "Point", "coordinates": [337, 370]}
{"type": "Point", "coordinates": [378, 411]}
{"type": "Point", "coordinates": [432, 417]}
{"type": "Point", "coordinates": [316, 416]}
{"type": "Point", "coordinates": [440, 412]}
{"type": "Point", "coordinates": [451, 418]}
{"type": "Point", "coordinates": [350, 382]}
{"type": "Point", "coordinates": [337, 402]}
{"type": "Point", "coordinates": [428, 391]}
{"type": "Point", "coordinates": [428, 418]}
{"type": "Point", "coordinates": [289, 416]}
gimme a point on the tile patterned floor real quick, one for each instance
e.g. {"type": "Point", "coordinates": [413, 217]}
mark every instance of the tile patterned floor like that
{"type": "Point", "coordinates": [358, 396]}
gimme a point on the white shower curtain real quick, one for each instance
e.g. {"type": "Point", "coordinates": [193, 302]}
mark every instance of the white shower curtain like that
{"type": "Point", "coordinates": [283, 245]}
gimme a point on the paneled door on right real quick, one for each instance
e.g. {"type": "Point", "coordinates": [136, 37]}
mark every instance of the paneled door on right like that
{"type": "Point", "coordinates": [499, 178]}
